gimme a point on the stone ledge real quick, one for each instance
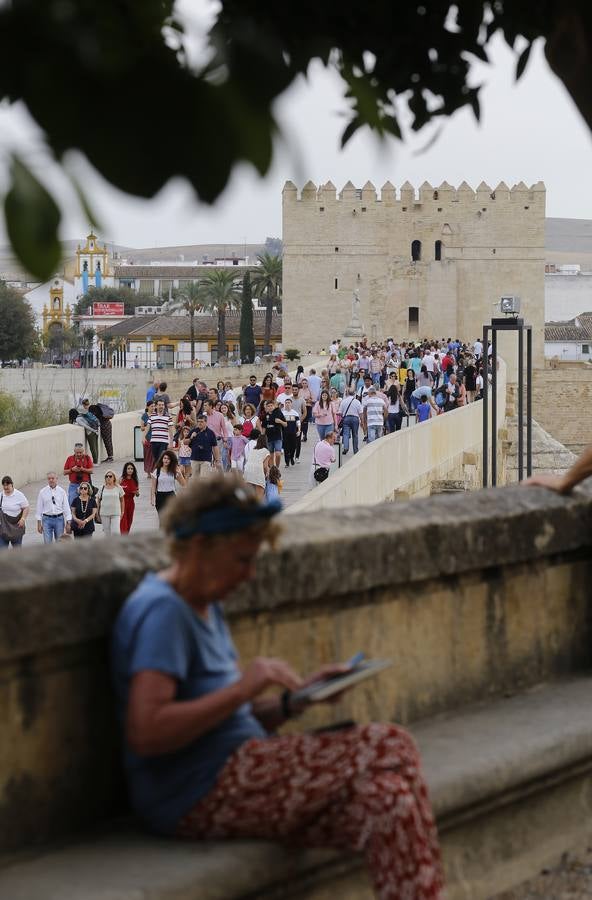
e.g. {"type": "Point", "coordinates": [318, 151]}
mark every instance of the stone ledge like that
{"type": "Point", "coordinates": [475, 761]}
{"type": "Point", "coordinates": [432, 538]}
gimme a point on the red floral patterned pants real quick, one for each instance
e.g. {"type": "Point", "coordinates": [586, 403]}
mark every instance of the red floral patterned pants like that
{"type": "Point", "coordinates": [357, 789]}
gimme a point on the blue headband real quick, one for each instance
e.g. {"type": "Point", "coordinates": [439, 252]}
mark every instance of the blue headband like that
{"type": "Point", "coordinates": [228, 519]}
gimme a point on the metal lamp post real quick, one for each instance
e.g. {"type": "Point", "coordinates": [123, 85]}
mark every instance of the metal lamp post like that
{"type": "Point", "coordinates": [510, 306]}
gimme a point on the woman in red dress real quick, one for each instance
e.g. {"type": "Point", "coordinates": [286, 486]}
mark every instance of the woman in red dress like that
{"type": "Point", "coordinates": [131, 490]}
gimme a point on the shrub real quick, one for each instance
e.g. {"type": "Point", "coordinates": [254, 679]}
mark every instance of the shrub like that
{"type": "Point", "coordinates": [292, 353]}
{"type": "Point", "coordinates": [26, 415]}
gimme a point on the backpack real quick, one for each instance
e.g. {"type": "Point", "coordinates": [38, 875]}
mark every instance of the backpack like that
{"type": "Point", "coordinates": [247, 427]}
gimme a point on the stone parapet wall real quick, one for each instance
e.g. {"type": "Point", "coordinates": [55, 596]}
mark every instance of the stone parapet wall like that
{"type": "Point", "coordinates": [129, 386]}
{"type": "Point", "coordinates": [562, 403]}
{"type": "Point", "coordinates": [472, 595]}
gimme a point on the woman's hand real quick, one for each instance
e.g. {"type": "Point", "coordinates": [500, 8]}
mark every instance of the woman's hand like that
{"type": "Point", "coordinates": [21, 522]}
{"type": "Point", "coordinates": [553, 482]}
{"type": "Point", "coordinates": [264, 672]}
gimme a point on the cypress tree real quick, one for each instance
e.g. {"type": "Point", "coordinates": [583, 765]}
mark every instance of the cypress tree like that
{"type": "Point", "coordinates": [246, 336]}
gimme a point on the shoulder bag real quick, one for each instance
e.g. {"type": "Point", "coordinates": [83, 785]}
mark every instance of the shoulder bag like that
{"type": "Point", "coordinates": [98, 518]}
{"type": "Point", "coordinates": [321, 473]}
{"type": "Point", "coordinates": [9, 529]}
{"type": "Point", "coordinates": [340, 425]}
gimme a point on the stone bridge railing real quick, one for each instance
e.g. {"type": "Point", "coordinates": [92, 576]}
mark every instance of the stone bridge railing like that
{"type": "Point", "coordinates": [475, 597]}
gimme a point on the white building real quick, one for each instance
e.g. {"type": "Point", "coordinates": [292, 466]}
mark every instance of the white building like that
{"type": "Point", "coordinates": [39, 296]}
{"type": "Point", "coordinates": [570, 340]}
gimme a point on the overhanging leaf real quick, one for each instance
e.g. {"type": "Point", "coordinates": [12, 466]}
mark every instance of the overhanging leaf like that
{"type": "Point", "coordinates": [522, 61]}
{"type": "Point", "coordinates": [84, 203]}
{"type": "Point", "coordinates": [32, 221]}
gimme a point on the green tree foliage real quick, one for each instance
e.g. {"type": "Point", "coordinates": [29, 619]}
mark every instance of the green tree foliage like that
{"type": "Point", "coordinates": [274, 246]}
{"type": "Point", "coordinates": [32, 411]}
{"type": "Point", "coordinates": [221, 294]}
{"type": "Point", "coordinates": [267, 285]}
{"type": "Point", "coordinates": [388, 55]}
{"type": "Point", "coordinates": [62, 339]}
{"type": "Point", "coordinates": [125, 295]}
{"type": "Point", "coordinates": [247, 337]}
{"type": "Point", "coordinates": [191, 298]}
{"type": "Point", "coordinates": [17, 329]}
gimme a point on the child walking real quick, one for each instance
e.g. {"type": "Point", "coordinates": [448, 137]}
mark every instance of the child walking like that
{"type": "Point", "coordinates": [238, 442]}
{"type": "Point", "coordinates": [184, 451]}
{"type": "Point", "coordinates": [273, 485]}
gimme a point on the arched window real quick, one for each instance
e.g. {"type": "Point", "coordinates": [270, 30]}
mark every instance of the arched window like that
{"type": "Point", "coordinates": [438, 251]}
{"type": "Point", "coordinates": [416, 251]}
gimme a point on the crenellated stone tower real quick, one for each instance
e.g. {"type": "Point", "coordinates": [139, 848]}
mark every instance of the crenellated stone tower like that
{"type": "Point", "coordinates": [428, 263]}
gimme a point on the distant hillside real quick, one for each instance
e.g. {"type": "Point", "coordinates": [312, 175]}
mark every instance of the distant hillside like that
{"type": "Point", "coordinates": [11, 269]}
{"type": "Point", "coordinates": [569, 241]}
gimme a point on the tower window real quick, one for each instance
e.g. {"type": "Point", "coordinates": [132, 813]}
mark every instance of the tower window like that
{"type": "Point", "coordinates": [416, 251]}
{"type": "Point", "coordinates": [438, 251]}
{"type": "Point", "coordinates": [336, 249]}
{"type": "Point", "coordinates": [336, 283]}
{"type": "Point", "coordinates": [413, 316]}
{"type": "Point", "coordinates": [321, 209]}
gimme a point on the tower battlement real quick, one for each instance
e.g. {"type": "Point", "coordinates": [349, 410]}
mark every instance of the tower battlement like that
{"type": "Point", "coordinates": [407, 194]}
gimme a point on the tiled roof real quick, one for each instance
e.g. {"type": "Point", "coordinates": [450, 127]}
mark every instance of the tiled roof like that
{"type": "Point", "coordinates": [578, 329]}
{"type": "Point", "coordinates": [206, 326]}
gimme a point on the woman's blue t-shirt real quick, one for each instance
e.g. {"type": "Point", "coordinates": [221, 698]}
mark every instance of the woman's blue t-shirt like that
{"type": "Point", "coordinates": [156, 629]}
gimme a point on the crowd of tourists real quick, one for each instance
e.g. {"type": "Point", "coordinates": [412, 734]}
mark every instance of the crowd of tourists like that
{"type": "Point", "coordinates": [364, 391]}
{"type": "Point", "coordinates": [62, 514]}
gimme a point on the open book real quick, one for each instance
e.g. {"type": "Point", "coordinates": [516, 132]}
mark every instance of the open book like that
{"type": "Point", "coordinates": [322, 690]}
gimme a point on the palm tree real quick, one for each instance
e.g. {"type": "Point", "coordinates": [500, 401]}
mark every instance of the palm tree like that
{"type": "Point", "coordinates": [191, 298]}
{"type": "Point", "coordinates": [267, 282]}
{"type": "Point", "coordinates": [221, 293]}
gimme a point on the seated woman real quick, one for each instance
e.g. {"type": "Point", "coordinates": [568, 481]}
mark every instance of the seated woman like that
{"type": "Point", "coordinates": [202, 756]}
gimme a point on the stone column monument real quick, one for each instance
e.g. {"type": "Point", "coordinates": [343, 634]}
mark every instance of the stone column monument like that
{"type": "Point", "coordinates": [355, 328]}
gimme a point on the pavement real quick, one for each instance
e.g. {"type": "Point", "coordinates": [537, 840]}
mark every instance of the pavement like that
{"type": "Point", "coordinates": [571, 879]}
{"type": "Point", "coordinates": [297, 481]}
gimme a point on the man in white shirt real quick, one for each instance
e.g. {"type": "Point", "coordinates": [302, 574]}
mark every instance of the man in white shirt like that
{"type": "Point", "coordinates": [53, 510]}
{"type": "Point", "coordinates": [429, 362]}
{"type": "Point", "coordinates": [375, 412]}
{"type": "Point", "coordinates": [478, 349]}
{"type": "Point", "coordinates": [314, 384]}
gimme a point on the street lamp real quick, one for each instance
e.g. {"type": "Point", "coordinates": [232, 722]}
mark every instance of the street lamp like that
{"type": "Point", "coordinates": [510, 306]}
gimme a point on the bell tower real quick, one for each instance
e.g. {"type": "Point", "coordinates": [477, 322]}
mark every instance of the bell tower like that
{"type": "Point", "coordinates": [92, 264]}
{"type": "Point", "coordinates": [56, 314]}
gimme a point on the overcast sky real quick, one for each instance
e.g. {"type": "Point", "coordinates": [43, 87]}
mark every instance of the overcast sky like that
{"type": "Point", "coordinates": [529, 131]}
